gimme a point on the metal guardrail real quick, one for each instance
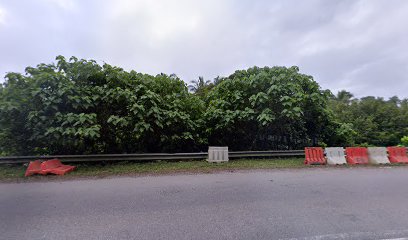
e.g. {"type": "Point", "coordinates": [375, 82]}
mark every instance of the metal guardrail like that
{"type": "Point", "coordinates": [151, 156]}
{"type": "Point", "coordinates": [258, 154]}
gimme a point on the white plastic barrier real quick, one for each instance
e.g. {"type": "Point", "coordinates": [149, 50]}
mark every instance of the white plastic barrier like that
{"type": "Point", "coordinates": [335, 155]}
{"type": "Point", "coordinates": [378, 155]}
{"type": "Point", "coordinates": [217, 154]}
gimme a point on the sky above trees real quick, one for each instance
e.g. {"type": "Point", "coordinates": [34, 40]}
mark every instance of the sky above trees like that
{"type": "Point", "coordinates": [360, 46]}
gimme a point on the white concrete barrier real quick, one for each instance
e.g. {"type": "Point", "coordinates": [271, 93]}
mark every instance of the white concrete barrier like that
{"type": "Point", "coordinates": [217, 154]}
{"type": "Point", "coordinates": [378, 155]}
{"type": "Point", "coordinates": [335, 155]}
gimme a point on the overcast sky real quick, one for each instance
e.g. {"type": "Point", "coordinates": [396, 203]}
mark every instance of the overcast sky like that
{"type": "Point", "coordinates": [360, 46]}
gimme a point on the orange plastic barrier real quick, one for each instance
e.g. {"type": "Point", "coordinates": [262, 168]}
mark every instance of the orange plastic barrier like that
{"type": "Point", "coordinates": [33, 168]}
{"type": "Point", "coordinates": [397, 154]}
{"type": "Point", "coordinates": [314, 155]}
{"type": "Point", "coordinates": [51, 166]}
{"type": "Point", "coordinates": [56, 167]}
{"type": "Point", "coordinates": [357, 155]}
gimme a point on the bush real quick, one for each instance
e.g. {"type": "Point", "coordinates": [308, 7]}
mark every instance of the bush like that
{"type": "Point", "coordinates": [78, 106]}
{"type": "Point", "coordinates": [404, 141]}
{"type": "Point", "coordinates": [266, 108]}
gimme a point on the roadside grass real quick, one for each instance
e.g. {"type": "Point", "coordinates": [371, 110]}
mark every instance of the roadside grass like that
{"type": "Point", "coordinates": [16, 171]}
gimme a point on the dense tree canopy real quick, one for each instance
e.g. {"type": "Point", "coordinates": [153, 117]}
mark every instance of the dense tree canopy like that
{"type": "Point", "coordinates": [77, 106]}
{"type": "Point", "coordinates": [375, 121]}
{"type": "Point", "coordinates": [266, 108]}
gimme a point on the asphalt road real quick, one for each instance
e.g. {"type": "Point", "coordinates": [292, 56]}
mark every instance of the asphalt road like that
{"type": "Point", "coordinates": [359, 203]}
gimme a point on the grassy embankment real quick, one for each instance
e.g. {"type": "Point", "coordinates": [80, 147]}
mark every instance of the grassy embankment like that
{"type": "Point", "coordinates": [16, 171]}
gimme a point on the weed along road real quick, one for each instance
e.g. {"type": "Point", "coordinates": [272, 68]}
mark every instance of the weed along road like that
{"type": "Point", "coordinates": [322, 203]}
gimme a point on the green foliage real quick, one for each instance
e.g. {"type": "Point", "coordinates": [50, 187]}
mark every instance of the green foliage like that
{"type": "Point", "coordinates": [202, 87]}
{"type": "Point", "coordinates": [266, 108]}
{"type": "Point", "coordinates": [404, 141]}
{"type": "Point", "coordinates": [373, 121]}
{"type": "Point", "coordinates": [77, 106]}
{"type": "Point", "coordinates": [364, 145]}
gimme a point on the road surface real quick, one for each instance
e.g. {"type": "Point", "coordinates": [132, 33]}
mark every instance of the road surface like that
{"type": "Point", "coordinates": [358, 203]}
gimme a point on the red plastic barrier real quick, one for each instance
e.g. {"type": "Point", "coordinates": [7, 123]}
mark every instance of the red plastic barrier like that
{"type": "Point", "coordinates": [314, 155]}
{"type": "Point", "coordinates": [33, 168]}
{"type": "Point", "coordinates": [51, 166]}
{"type": "Point", "coordinates": [56, 167]}
{"type": "Point", "coordinates": [397, 154]}
{"type": "Point", "coordinates": [357, 155]}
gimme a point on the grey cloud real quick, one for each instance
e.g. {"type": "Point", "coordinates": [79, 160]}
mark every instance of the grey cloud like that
{"type": "Point", "coordinates": [360, 46]}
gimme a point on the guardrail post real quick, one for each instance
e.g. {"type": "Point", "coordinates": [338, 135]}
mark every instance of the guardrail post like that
{"type": "Point", "coordinates": [217, 154]}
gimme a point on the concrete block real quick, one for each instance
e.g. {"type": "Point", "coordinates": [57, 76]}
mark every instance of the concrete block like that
{"type": "Point", "coordinates": [217, 154]}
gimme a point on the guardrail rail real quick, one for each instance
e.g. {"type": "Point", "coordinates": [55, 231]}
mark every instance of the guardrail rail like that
{"type": "Point", "coordinates": [152, 156]}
